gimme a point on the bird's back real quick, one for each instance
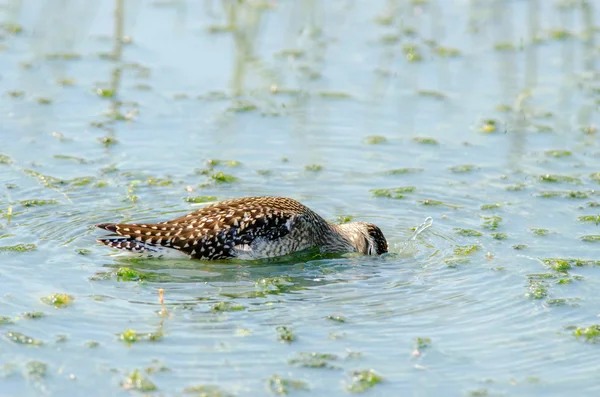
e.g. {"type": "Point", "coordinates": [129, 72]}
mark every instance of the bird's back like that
{"type": "Point", "coordinates": [251, 227]}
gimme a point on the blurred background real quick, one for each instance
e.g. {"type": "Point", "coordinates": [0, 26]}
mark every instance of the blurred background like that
{"type": "Point", "coordinates": [482, 114]}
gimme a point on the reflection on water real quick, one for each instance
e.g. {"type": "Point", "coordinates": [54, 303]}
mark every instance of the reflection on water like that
{"type": "Point", "coordinates": [480, 115]}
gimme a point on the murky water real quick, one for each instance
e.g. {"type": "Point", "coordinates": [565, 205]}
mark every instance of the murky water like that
{"type": "Point", "coordinates": [482, 115]}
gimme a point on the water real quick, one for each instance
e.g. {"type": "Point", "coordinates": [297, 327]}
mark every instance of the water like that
{"type": "Point", "coordinates": [296, 94]}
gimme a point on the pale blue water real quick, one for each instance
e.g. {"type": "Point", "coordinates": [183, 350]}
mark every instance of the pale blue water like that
{"type": "Point", "coordinates": [315, 81]}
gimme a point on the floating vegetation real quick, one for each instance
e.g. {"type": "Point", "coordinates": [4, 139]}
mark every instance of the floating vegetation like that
{"type": "Point", "coordinates": [206, 391]}
{"type": "Point", "coordinates": [395, 193]}
{"type": "Point", "coordinates": [376, 139]}
{"type": "Point", "coordinates": [454, 262]}
{"type": "Point", "coordinates": [411, 53]}
{"type": "Point", "coordinates": [516, 188]}
{"type": "Point", "coordinates": [467, 232]}
{"type": "Point", "coordinates": [285, 334]}
{"type": "Point", "coordinates": [425, 141]}
{"type": "Point", "coordinates": [71, 158]}
{"type": "Point", "coordinates": [590, 334]}
{"type": "Point", "coordinates": [595, 176]}
{"type": "Point", "coordinates": [58, 300]}
{"type": "Point", "coordinates": [488, 126]}
{"type": "Point", "coordinates": [335, 95]}
{"type": "Point", "coordinates": [18, 248]}
{"type": "Point", "coordinates": [422, 343]}
{"type": "Point", "coordinates": [589, 218]}
{"type": "Point", "coordinates": [130, 336]}
{"type": "Point", "coordinates": [464, 250]}
{"type": "Point", "coordinates": [200, 199]}
{"type": "Point", "coordinates": [504, 46]}
{"type": "Point", "coordinates": [313, 360]}
{"type": "Point", "coordinates": [4, 159]}
{"type": "Point", "coordinates": [33, 315]}
{"type": "Point", "coordinates": [491, 222]}
{"type": "Point", "coordinates": [463, 168]}
{"type": "Point", "coordinates": [91, 344]}
{"type": "Point", "coordinates": [65, 56]}
{"type": "Point", "coordinates": [6, 320]}
{"type": "Point", "coordinates": [537, 289]}
{"type": "Point", "coordinates": [22, 339]}
{"type": "Point", "coordinates": [402, 171]}
{"type": "Point", "coordinates": [221, 177]}
{"type": "Point", "coordinates": [344, 219]}
{"type": "Point", "coordinates": [435, 95]}
{"type": "Point", "coordinates": [282, 386]}
{"type": "Point", "coordinates": [519, 246]}
{"type": "Point", "coordinates": [108, 141]}
{"type": "Point", "coordinates": [36, 370]}
{"type": "Point", "coordinates": [35, 202]}
{"type": "Point", "coordinates": [539, 231]}
{"type": "Point", "coordinates": [337, 318]}
{"type": "Point", "coordinates": [566, 194]}
{"type": "Point", "coordinates": [499, 236]}
{"type": "Point", "coordinates": [44, 101]}
{"type": "Point", "coordinates": [551, 178]}
{"type": "Point", "coordinates": [128, 274]}
{"type": "Point", "coordinates": [558, 153]}
{"type": "Point", "coordinates": [16, 94]}
{"type": "Point", "coordinates": [226, 307]}
{"type": "Point", "coordinates": [239, 106]}
{"type": "Point", "coordinates": [11, 28]}
{"type": "Point", "coordinates": [313, 167]}
{"type": "Point", "coordinates": [138, 381]}
{"type": "Point", "coordinates": [486, 207]}
{"type": "Point", "coordinates": [591, 238]}
{"type": "Point", "coordinates": [362, 380]}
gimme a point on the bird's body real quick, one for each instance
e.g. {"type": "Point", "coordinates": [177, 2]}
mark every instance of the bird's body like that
{"type": "Point", "coordinates": [245, 228]}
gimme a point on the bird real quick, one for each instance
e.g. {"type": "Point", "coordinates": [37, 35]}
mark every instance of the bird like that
{"type": "Point", "coordinates": [246, 228]}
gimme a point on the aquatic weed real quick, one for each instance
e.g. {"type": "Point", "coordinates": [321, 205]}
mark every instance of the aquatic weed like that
{"type": "Point", "coordinates": [282, 386]}
{"type": "Point", "coordinates": [313, 167]}
{"type": "Point", "coordinates": [402, 171]}
{"type": "Point", "coordinates": [130, 336]}
{"type": "Point", "coordinates": [36, 202]}
{"type": "Point", "coordinates": [463, 168]}
{"type": "Point", "coordinates": [539, 231]}
{"type": "Point", "coordinates": [129, 274]}
{"type": "Point", "coordinates": [591, 334]}
{"type": "Point", "coordinates": [4, 159]}
{"type": "Point", "coordinates": [519, 246]}
{"type": "Point", "coordinates": [464, 250]}
{"type": "Point", "coordinates": [6, 320]}
{"type": "Point", "coordinates": [285, 334]}
{"type": "Point", "coordinates": [491, 222]}
{"type": "Point", "coordinates": [499, 236]}
{"type": "Point", "coordinates": [362, 380]}
{"type": "Point", "coordinates": [22, 339]}
{"type": "Point", "coordinates": [488, 126]}
{"type": "Point", "coordinates": [395, 193]}
{"type": "Point", "coordinates": [313, 360]}
{"type": "Point", "coordinates": [136, 380]}
{"type": "Point", "coordinates": [537, 289]}
{"type": "Point", "coordinates": [589, 218]}
{"type": "Point", "coordinates": [200, 199]}
{"type": "Point", "coordinates": [58, 300]}
{"type": "Point", "coordinates": [375, 139]}
{"type": "Point", "coordinates": [467, 232]}
{"type": "Point", "coordinates": [516, 188]}
{"type": "Point", "coordinates": [18, 248]}
{"type": "Point", "coordinates": [558, 153]}
{"type": "Point", "coordinates": [590, 238]}
{"type": "Point", "coordinates": [551, 178]}
{"type": "Point", "coordinates": [36, 369]}
{"type": "Point", "coordinates": [226, 307]}
{"type": "Point", "coordinates": [422, 343]}
{"type": "Point", "coordinates": [33, 315]}
{"type": "Point", "coordinates": [337, 318]}
{"type": "Point", "coordinates": [425, 141]}
{"type": "Point", "coordinates": [486, 207]}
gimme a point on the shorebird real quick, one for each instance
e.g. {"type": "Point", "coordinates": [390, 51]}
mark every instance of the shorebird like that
{"type": "Point", "coordinates": [245, 228]}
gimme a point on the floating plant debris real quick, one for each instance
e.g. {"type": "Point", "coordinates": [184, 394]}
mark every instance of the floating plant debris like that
{"type": "Point", "coordinates": [589, 334]}
{"type": "Point", "coordinates": [58, 300]}
{"type": "Point", "coordinates": [136, 380]}
{"type": "Point", "coordinates": [285, 334]}
{"type": "Point", "coordinates": [226, 307]}
{"type": "Point", "coordinates": [313, 360]}
{"type": "Point", "coordinates": [376, 139]}
{"type": "Point", "coordinates": [282, 386]}
{"type": "Point", "coordinates": [362, 380]}
{"type": "Point", "coordinates": [395, 193]}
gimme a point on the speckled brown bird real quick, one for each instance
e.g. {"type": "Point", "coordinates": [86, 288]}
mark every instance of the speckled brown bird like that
{"type": "Point", "coordinates": [245, 228]}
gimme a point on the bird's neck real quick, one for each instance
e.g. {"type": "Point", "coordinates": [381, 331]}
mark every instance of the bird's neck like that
{"type": "Point", "coordinates": [342, 238]}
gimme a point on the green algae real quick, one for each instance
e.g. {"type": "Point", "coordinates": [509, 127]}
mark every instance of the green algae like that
{"type": "Point", "coordinates": [16, 94]}
{"type": "Point", "coordinates": [487, 207]}
{"type": "Point", "coordinates": [590, 334]}
{"type": "Point", "coordinates": [4, 159]}
{"type": "Point", "coordinates": [552, 178]}
{"type": "Point", "coordinates": [36, 370]}
{"type": "Point", "coordinates": [18, 248]}
{"type": "Point", "coordinates": [239, 106]}
{"type": "Point", "coordinates": [363, 380]}
{"type": "Point", "coordinates": [435, 203]}
{"type": "Point", "coordinates": [479, 393]}
{"type": "Point", "coordinates": [422, 343]}
{"type": "Point", "coordinates": [37, 203]}
{"type": "Point", "coordinates": [375, 139]}
{"type": "Point", "coordinates": [313, 167]}
{"type": "Point", "coordinates": [459, 169]}
{"type": "Point", "coordinates": [337, 318]}
{"type": "Point", "coordinates": [595, 176]}
{"type": "Point", "coordinates": [127, 274]}
{"type": "Point", "coordinates": [589, 218]}
{"type": "Point", "coordinates": [516, 188]}
{"type": "Point", "coordinates": [108, 141]}
{"type": "Point", "coordinates": [11, 28]}
{"type": "Point", "coordinates": [412, 53]}
{"type": "Point", "coordinates": [491, 222]}
{"type": "Point", "coordinates": [467, 232]}
{"type": "Point", "coordinates": [155, 181]}
{"type": "Point", "coordinates": [4, 320]}
{"type": "Point", "coordinates": [33, 315]}
{"type": "Point", "coordinates": [558, 153]}
{"type": "Point", "coordinates": [282, 386]}
{"type": "Point", "coordinates": [488, 126]}
{"type": "Point", "coordinates": [464, 250]}
{"type": "Point", "coordinates": [344, 219]}
{"type": "Point", "coordinates": [425, 141]}
{"type": "Point", "coordinates": [313, 360]}
{"type": "Point", "coordinates": [504, 46]}
{"type": "Point", "coordinates": [454, 262]}
{"type": "Point", "coordinates": [130, 336]}
{"type": "Point", "coordinates": [70, 158]}
{"type": "Point", "coordinates": [91, 344]}
{"type": "Point", "coordinates": [136, 380]}
{"type": "Point", "coordinates": [44, 101]}
{"type": "Point", "coordinates": [226, 307]}
{"type": "Point", "coordinates": [206, 391]}
{"type": "Point", "coordinates": [200, 199]}
{"type": "Point", "coordinates": [519, 246]}
{"type": "Point", "coordinates": [539, 231]}
{"type": "Point", "coordinates": [591, 238]}
{"type": "Point", "coordinates": [573, 194]}
{"type": "Point", "coordinates": [394, 193]}
{"type": "Point", "coordinates": [499, 236]}
{"type": "Point", "coordinates": [440, 96]}
{"type": "Point", "coordinates": [329, 94]}
{"type": "Point", "coordinates": [537, 289]}
{"type": "Point", "coordinates": [221, 177]}
{"type": "Point", "coordinates": [58, 300]}
{"type": "Point", "coordinates": [83, 251]}
{"type": "Point", "coordinates": [285, 334]}
{"type": "Point", "coordinates": [22, 339]}
{"type": "Point", "coordinates": [403, 171]}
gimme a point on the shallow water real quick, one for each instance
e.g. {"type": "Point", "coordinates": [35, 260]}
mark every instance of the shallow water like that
{"type": "Point", "coordinates": [489, 110]}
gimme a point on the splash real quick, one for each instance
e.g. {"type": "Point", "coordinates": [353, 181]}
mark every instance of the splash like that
{"type": "Point", "coordinates": [409, 245]}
